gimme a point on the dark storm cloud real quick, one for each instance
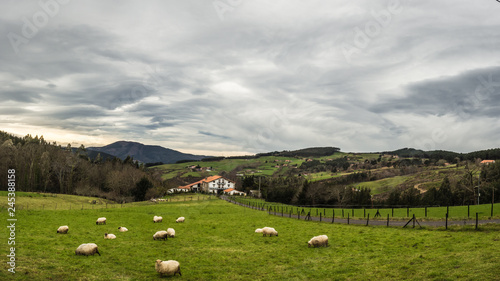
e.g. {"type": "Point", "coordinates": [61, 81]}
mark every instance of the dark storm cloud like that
{"type": "Point", "coordinates": [474, 93]}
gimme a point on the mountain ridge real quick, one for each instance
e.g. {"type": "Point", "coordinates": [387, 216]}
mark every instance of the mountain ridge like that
{"type": "Point", "coordinates": [145, 153]}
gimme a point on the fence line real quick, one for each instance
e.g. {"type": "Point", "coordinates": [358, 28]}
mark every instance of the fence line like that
{"type": "Point", "coordinates": [457, 212]}
{"type": "Point", "coordinates": [106, 205]}
{"type": "Point", "coordinates": [272, 209]}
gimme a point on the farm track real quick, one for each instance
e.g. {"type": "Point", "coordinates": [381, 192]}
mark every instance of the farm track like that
{"type": "Point", "coordinates": [376, 222]}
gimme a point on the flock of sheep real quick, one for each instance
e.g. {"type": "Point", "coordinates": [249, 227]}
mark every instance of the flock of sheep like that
{"type": "Point", "coordinates": [169, 267]}
{"type": "Point", "coordinates": [172, 267]}
{"type": "Point", "coordinates": [316, 241]}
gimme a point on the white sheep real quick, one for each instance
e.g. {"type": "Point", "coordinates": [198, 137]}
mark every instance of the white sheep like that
{"type": "Point", "coordinates": [63, 229]}
{"type": "Point", "coordinates": [162, 234]}
{"type": "Point", "coordinates": [171, 232]}
{"type": "Point", "coordinates": [109, 236]}
{"type": "Point", "coordinates": [269, 231]}
{"type": "Point", "coordinates": [87, 249]}
{"type": "Point", "coordinates": [101, 221]}
{"type": "Point", "coordinates": [157, 219]}
{"type": "Point", "coordinates": [169, 267]}
{"type": "Point", "coordinates": [258, 230]}
{"type": "Point", "coordinates": [318, 241]}
{"type": "Point", "coordinates": [180, 219]}
{"type": "Point", "coordinates": [122, 229]}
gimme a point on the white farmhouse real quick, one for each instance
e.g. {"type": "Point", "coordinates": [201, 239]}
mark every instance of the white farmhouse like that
{"type": "Point", "coordinates": [212, 184]}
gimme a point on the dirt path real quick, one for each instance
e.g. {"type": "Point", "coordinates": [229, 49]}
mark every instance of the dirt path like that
{"type": "Point", "coordinates": [417, 186]}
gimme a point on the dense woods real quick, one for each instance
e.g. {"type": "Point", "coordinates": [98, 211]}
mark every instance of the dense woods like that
{"type": "Point", "coordinates": [44, 167]}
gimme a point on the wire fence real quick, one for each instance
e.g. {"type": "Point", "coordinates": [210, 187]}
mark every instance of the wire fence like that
{"type": "Point", "coordinates": [97, 204]}
{"type": "Point", "coordinates": [377, 216]}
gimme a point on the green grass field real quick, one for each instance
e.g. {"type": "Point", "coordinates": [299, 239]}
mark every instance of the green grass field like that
{"type": "Point", "coordinates": [217, 242]}
{"type": "Point", "coordinates": [383, 185]}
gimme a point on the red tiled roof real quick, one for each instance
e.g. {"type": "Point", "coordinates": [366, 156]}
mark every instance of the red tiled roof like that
{"type": "Point", "coordinates": [229, 190]}
{"type": "Point", "coordinates": [206, 180]}
{"type": "Point", "coordinates": [487, 161]}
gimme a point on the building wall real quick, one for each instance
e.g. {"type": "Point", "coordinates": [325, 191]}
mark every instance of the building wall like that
{"type": "Point", "coordinates": [218, 184]}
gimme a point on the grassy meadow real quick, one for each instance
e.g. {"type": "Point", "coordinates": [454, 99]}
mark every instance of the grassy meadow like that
{"type": "Point", "coordinates": [217, 242]}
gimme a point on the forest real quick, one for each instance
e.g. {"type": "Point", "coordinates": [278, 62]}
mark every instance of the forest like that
{"type": "Point", "coordinates": [47, 167]}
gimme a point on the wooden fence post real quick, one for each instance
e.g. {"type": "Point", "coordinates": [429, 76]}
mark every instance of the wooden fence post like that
{"type": "Point", "coordinates": [347, 218]}
{"type": "Point", "coordinates": [407, 212]}
{"type": "Point", "coordinates": [320, 217]}
{"type": "Point", "coordinates": [425, 211]}
{"type": "Point", "coordinates": [477, 218]}
{"type": "Point", "coordinates": [447, 209]}
{"type": "Point", "coordinates": [333, 216]}
{"type": "Point", "coordinates": [364, 212]}
{"type": "Point", "coordinates": [342, 213]}
{"type": "Point", "coordinates": [368, 220]}
{"type": "Point", "coordinates": [468, 211]}
{"type": "Point", "coordinates": [387, 220]}
{"type": "Point", "coordinates": [446, 224]}
{"type": "Point", "coordinates": [392, 211]}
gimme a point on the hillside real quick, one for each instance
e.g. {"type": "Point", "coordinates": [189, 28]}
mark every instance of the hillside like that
{"type": "Point", "coordinates": [145, 153]}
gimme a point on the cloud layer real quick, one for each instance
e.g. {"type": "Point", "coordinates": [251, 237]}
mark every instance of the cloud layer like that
{"type": "Point", "coordinates": [237, 77]}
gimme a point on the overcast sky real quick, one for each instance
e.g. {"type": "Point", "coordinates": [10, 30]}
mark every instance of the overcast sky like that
{"type": "Point", "coordinates": [234, 77]}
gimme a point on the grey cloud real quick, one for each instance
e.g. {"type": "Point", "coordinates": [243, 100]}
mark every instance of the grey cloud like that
{"type": "Point", "coordinates": [20, 95]}
{"type": "Point", "coordinates": [474, 93]}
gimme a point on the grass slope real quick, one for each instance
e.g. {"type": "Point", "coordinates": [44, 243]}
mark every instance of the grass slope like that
{"type": "Point", "coordinates": [217, 242]}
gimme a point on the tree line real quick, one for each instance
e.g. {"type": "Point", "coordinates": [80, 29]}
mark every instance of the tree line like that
{"type": "Point", "coordinates": [477, 184]}
{"type": "Point", "coordinates": [47, 167]}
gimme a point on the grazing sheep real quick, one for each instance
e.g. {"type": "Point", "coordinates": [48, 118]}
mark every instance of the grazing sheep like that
{"type": "Point", "coordinates": [181, 219]}
{"type": "Point", "coordinates": [101, 221]}
{"type": "Point", "coordinates": [159, 235]}
{"type": "Point", "coordinates": [171, 232]}
{"type": "Point", "coordinates": [269, 231]}
{"type": "Point", "coordinates": [63, 229]}
{"type": "Point", "coordinates": [318, 241]}
{"type": "Point", "coordinates": [122, 229]}
{"type": "Point", "coordinates": [87, 249]}
{"type": "Point", "coordinates": [258, 230]}
{"type": "Point", "coordinates": [109, 236]}
{"type": "Point", "coordinates": [157, 219]}
{"type": "Point", "coordinates": [169, 267]}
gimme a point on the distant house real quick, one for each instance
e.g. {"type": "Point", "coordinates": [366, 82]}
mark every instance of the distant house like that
{"type": "Point", "coordinates": [212, 184]}
{"type": "Point", "coordinates": [232, 191]}
{"type": "Point", "coordinates": [487, 162]}
{"type": "Point", "coordinates": [255, 193]}
{"type": "Point", "coordinates": [178, 190]}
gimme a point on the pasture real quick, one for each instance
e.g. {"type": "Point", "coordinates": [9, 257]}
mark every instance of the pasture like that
{"type": "Point", "coordinates": [217, 242]}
